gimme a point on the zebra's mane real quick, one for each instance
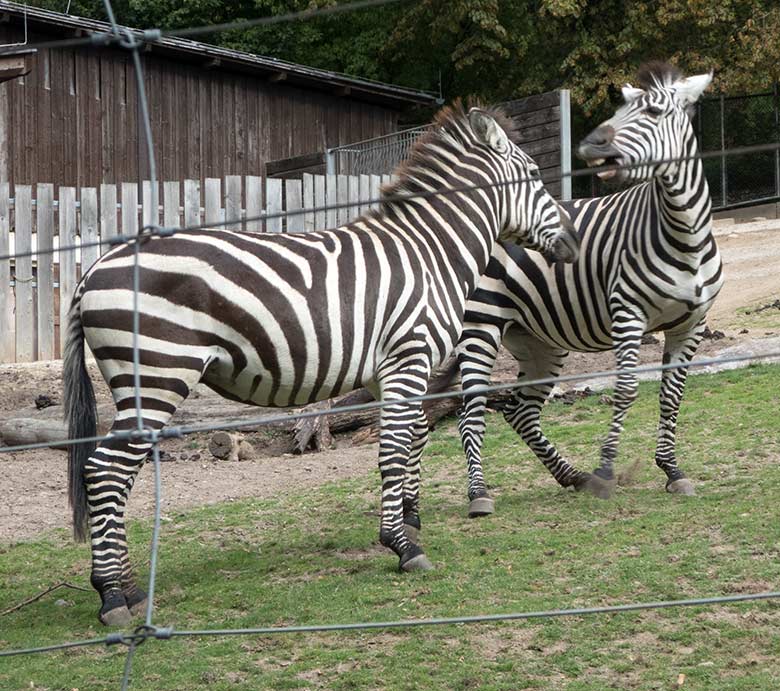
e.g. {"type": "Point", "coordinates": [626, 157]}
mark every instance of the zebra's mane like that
{"type": "Point", "coordinates": [451, 125]}
{"type": "Point", "coordinates": [657, 74]}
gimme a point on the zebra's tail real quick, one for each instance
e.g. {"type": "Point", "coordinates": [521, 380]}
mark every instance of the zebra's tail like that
{"type": "Point", "coordinates": [81, 416]}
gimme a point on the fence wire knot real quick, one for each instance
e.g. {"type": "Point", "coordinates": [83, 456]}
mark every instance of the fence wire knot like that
{"type": "Point", "coordinates": [140, 635]}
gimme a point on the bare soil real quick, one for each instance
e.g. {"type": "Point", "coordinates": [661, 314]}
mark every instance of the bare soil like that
{"type": "Point", "coordinates": [33, 484]}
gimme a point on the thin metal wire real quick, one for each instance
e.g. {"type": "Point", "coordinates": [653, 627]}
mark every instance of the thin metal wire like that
{"type": "Point", "coordinates": [52, 648]}
{"type": "Point", "coordinates": [150, 231]}
{"type": "Point", "coordinates": [155, 531]}
{"type": "Point", "coordinates": [174, 431]}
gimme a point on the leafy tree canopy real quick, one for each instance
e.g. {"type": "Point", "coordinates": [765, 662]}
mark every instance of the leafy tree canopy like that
{"type": "Point", "coordinates": [496, 49]}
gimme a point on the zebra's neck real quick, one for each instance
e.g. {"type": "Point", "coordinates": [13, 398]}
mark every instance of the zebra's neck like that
{"type": "Point", "coordinates": [684, 199]}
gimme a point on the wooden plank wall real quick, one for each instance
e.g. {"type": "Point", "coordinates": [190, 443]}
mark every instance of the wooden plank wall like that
{"type": "Point", "coordinates": [35, 291]}
{"type": "Point", "coordinates": [73, 119]}
{"type": "Point", "coordinates": [538, 119]}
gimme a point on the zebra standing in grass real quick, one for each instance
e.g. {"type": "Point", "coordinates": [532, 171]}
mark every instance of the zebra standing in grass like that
{"type": "Point", "coordinates": [648, 262]}
{"type": "Point", "coordinates": [280, 320]}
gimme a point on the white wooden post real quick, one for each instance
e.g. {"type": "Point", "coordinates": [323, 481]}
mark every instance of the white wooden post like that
{"type": "Point", "coordinates": [308, 201]}
{"type": "Point", "coordinates": [44, 198]}
{"type": "Point", "coordinates": [171, 203]}
{"type": "Point", "coordinates": [67, 237]}
{"type": "Point", "coordinates": [293, 196]}
{"type": "Point", "coordinates": [191, 203]}
{"type": "Point", "coordinates": [108, 226]}
{"type": "Point", "coordinates": [565, 126]}
{"type": "Point", "coordinates": [89, 228]}
{"type": "Point", "coordinates": [273, 204]}
{"type": "Point", "coordinates": [129, 209]}
{"type": "Point", "coordinates": [7, 338]}
{"type": "Point", "coordinates": [254, 203]}
{"type": "Point", "coordinates": [25, 324]}
{"type": "Point", "coordinates": [233, 201]}
{"type": "Point", "coordinates": [213, 201]}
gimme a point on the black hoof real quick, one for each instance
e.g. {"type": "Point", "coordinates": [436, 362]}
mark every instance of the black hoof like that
{"type": "Point", "coordinates": [600, 488]}
{"type": "Point", "coordinates": [481, 506]}
{"type": "Point", "coordinates": [136, 600]}
{"type": "Point", "coordinates": [681, 486]}
{"type": "Point", "coordinates": [580, 481]}
{"type": "Point", "coordinates": [118, 616]}
{"type": "Point", "coordinates": [414, 559]}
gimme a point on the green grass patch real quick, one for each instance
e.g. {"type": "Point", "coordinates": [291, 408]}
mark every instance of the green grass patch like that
{"type": "Point", "coordinates": [316, 559]}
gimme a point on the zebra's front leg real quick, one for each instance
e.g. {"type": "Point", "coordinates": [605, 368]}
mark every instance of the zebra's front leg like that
{"type": "Point", "coordinates": [412, 525]}
{"type": "Point", "coordinates": [678, 349]}
{"type": "Point", "coordinates": [602, 482]}
{"type": "Point", "coordinates": [397, 426]}
{"type": "Point", "coordinates": [477, 353]}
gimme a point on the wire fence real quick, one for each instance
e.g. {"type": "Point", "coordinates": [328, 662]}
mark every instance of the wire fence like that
{"type": "Point", "coordinates": [133, 42]}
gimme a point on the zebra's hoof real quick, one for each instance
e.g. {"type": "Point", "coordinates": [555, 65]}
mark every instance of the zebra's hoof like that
{"type": "Point", "coordinates": [117, 617]}
{"type": "Point", "coordinates": [418, 563]}
{"type": "Point", "coordinates": [412, 532]}
{"type": "Point", "coordinates": [138, 608]}
{"type": "Point", "coordinates": [581, 482]}
{"type": "Point", "coordinates": [599, 487]}
{"type": "Point", "coordinates": [681, 486]}
{"type": "Point", "coordinates": [481, 506]}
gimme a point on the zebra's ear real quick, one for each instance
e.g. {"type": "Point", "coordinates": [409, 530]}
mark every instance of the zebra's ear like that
{"type": "Point", "coordinates": [488, 131]}
{"type": "Point", "coordinates": [688, 89]}
{"type": "Point", "coordinates": [631, 93]}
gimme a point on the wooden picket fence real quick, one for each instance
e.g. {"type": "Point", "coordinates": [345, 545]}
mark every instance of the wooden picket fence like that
{"type": "Point", "coordinates": [35, 291]}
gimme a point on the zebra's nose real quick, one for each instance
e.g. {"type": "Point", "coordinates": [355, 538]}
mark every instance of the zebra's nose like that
{"type": "Point", "coordinates": [601, 136]}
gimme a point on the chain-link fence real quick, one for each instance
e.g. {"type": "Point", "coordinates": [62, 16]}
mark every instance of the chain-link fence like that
{"type": "Point", "coordinates": [723, 123]}
{"type": "Point", "coordinates": [374, 156]}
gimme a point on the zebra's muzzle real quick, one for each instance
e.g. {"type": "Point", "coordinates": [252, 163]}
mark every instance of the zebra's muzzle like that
{"type": "Point", "coordinates": [566, 247]}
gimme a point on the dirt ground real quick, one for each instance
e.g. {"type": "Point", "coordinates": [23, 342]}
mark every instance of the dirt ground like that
{"type": "Point", "coordinates": [33, 483]}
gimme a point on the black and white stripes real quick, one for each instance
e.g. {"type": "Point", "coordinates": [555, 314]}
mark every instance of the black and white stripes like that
{"type": "Point", "coordinates": [280, 320]}
{"type": "Point", "coordinates": [648, 262]}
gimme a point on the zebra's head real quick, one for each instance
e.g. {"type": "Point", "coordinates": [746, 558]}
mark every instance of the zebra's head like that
{"type": "Point", "coordinates": [653, 125]}
{"type": "Point", "coordinates": [528, 214]}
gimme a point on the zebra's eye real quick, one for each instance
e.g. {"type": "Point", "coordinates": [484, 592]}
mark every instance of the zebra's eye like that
{"type": "Point", "coordinates": [534, 174]}
{"type": "Point", "coordinates": [654, 111]}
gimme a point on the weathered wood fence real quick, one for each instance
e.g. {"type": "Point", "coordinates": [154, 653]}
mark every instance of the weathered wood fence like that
{"type": "Point", "coordinates": [35, 291]}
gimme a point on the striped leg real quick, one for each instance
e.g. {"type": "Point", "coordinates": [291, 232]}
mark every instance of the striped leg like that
{"type": "Point", "coordinates": [627, 350]}
{"type": "Point", "coordinates": [109, 474]}
{"type": "Point", "coordinates": [476, 357]}
{"type": "Point", "coordinates": [397, 425]}
{"type": "Point", "coordinates": [524, 413]}
{"type": "Point", "coordinates": [412, 524]}
{"type": "Point", "coordinates": [678, 348]}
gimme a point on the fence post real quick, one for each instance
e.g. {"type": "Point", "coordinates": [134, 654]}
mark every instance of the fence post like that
{"type": "Point", "coordinates": [7, 342]}
{"type": "Point", "coordinates": [191, 203]}
{"type": "Point", "coordinates": [233, 201]}
{"type": "Point", "coordinates": [776, 104]}
{"type": "Point", "coordinates": [67, 234]}
{"type": "Point", "coordinates": [342, 195]}
{"type": "Point", "coordinates": [254, 203]}
{"type": "Point", "coordinates": [723, 175]}
{"type": "Point", "coordinates": [273, 204]}
{"type": "Point", "coordinates": [150, 211]}
{"type": "Point", "coordinates": [89, 228]}
{"type": "Point", "coordinates": [293, 202]}
{"type": "Point", "coordinates": [320, 200]}
{"type": "Point", "coordinates": [213, 200]}
{"type": "Point", "coordinates": [308, 201]}
{"type": "Point", "coordinates": [330, 162]}
{"type": "Point", "coordinates": [23, 283]}
{"type": "Point", "coordinates": [108, 228]}
{"type": "Point", "coordinates": [44, 198]}
{"type": "Point", "coordinates": [171, 204]}
{"type": "Point", "coordinates": [565, 129]}
{"type": "Point", "coordinates": [129, 208]}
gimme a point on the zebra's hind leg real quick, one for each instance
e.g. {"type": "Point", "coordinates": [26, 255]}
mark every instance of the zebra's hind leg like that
{"type": "Point", "coordinates": [539, 361]}
{"type": "Point", "coordinates": [412, 525]}
{"type": "Point", "coordinates": [398, 421]}
{"type": "Point", "coordinates": [678, 349]}
{"type": "Point", "coordinates": [109, 475]}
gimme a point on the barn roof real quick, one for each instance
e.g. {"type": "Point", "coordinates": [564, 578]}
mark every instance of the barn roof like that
{"type": "Point", "coordinates": [216, 58]}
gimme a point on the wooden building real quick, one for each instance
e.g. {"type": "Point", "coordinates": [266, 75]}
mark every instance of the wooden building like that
{"type": "Point", "coordinates": [73, 119]}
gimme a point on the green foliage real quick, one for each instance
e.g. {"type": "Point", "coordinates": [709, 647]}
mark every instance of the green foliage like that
{"type": "Point", "coordinates": [497, 49]}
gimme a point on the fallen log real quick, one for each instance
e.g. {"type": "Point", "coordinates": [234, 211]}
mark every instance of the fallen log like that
{"type": "Point", "coordinates": [230, 446]}
{"type": "Point", "coordinates": [27, 430]}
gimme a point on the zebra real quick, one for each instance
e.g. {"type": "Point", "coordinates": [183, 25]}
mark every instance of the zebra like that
{"type": "Point", "coordinates": [289, 319]}
{"type": "Point", "coordinates": [648, 262]}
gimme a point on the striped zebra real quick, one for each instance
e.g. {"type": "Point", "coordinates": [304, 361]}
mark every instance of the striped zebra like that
{"type": "Point", "coordinates": [648, 262]}
{"type": "Point", "coordinates": [289, 319]}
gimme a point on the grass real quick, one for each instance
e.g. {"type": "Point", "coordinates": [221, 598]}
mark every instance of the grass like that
{"type": "Point", "coordinates": [316, 560]}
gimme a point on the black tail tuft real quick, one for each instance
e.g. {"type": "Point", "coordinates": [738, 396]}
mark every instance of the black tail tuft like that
{"type": "Point", "coordinates": [81, 416]}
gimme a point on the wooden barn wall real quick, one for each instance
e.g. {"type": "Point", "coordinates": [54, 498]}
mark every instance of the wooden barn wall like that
{"type": "Point", "coordinates": [73, 119]}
